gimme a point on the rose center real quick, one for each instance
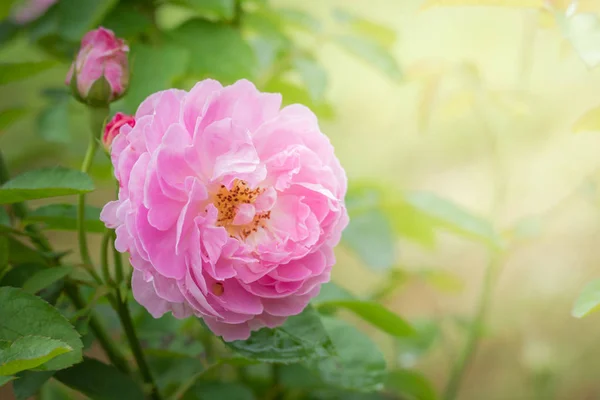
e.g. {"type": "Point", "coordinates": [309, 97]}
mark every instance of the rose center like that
{"type": "Point", "coordinates": [237, 212]}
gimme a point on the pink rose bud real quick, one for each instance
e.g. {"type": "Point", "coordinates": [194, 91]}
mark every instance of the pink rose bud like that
{"type": "Point", "coordinates": [30, 10]}
{"type": "Point", "coordinates": [113, 128]}
{"type": "Point", "coordinates": [100, 73]}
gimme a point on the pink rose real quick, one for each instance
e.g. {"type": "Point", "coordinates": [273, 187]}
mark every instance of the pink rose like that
{"type": "Point", "coordinates": [30, 10]}
{"type": "Point", "coordinates": [112, 129]}
{"type": "Point", "coordinates": [102, 55]}
{"type": "Point", "coordinates": [228, 205]}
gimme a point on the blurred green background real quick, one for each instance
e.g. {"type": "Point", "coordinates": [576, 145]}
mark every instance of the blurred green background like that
{"type": "Point", "coordinates": [457, 129]}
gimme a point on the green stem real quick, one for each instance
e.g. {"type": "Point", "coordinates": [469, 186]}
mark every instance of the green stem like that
{"type": "Point", "coordinates": [111, 350]}
{"type": "Point", "coordinates": [118, 262]}
{"type": "Point", "coordinates": [237, 14]}
{"type": "Point", "coordinates": [136, 347]}
{"type": "Point", "coordinates": [104, 257]}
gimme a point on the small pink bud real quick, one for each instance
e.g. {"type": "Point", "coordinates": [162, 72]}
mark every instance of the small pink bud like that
{"type": "Point", "coordinates": [30, 10]}
{"type": "Point", "coordinates": [113, 128]}
{"type": "Point", "coordinates": [100, 73]}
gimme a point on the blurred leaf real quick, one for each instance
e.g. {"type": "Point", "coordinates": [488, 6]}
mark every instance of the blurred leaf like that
{"type": "Point", "coordinates": [5, 8]}
{"type": "Point", "coordinates": [299, 19]}
{"type": "Point", "coordinates": [11, 115]}
{"type": "Point", "coordinates": [589, 121]}
{"type": "Point", "coordinates": [43, 183]}
{"type": "Point", "coordinates": [127, 22]}
{"type": "Point", "coordinates": [332, 292]}
{"type": "Point", "coordinates": [583, 31]}
{"type": "Point", "coordinates": [588, 301]}
{"type": "Point", "coordinates": [20, 253]}
{"type": "Point", "coordinates": [358, 365]}
{"type": "Point", "coordinates": [4, 249]}
{"type": "Point", "coordinates": [12, 72]}
{"type": "Point", "coordinates": [375, 314]}
{"type": "Point", "coordinates": [428, 100]}
{"type": "Point", "coordinates": [410, 384]}
{"type": "Point", "coordinates": [527, 228]}
{"type": "Point", "coordinates": [5, 379]}
{"type": "Point", "coordinates": [444, 281]}
{"type": "Point", "coordinates": [499, 3]}
{"type": "Point", "coordinates": [371, 52]}
{"type": "Point", "coordinates": [99, 381]}
{"type": "Point", "coordinates": [293, 93]}
{"type": "Point", "coordinates": [457, 104]}
{"type": "Point", "coordinates": [219, 391]}
{"type": "Point", "coordinates": [153, 69]}
{"type": "Point", "coordinates": [412, 348]}
{"type": "Point", "coordinates": [231, 58]}
{"type": "Point", "coordinates": [54, 390]}
{"type": "Point", "coordinates": [45, 278]}
{"type": "Point", "coordinates": [301, 337]}
{"type": "Point", "coordinates": [19, 274]}
{"type": "Point", "coordinates": [77, 17]}
{"type": "Point", "coordinates": [381, 34]}
{"type": "Point", "coordinates": [313, 75]}
{"type": "Point", "coordinates": [63, 217]}
{"type": "Point", "coordinates": [298, 376]}
{"type": "Point", "coordinates": [53, 121]}
{"type": "Point", "coordinates": [170, 369]}
{"type": "Point", "coordinates": [394, 279]}
{"type": "Point", "coordinates": [215, 8]}
{"type": "Point", "coordinates": [370, 236]}
{"type": "Point", "coordinates": [29, 383]}
{"type": "Point", "coordinates": [453, 217]}
{"type": "Point", "coordinates": [28, 352]}
{"type": "Point", "coordinates": [41, 319]}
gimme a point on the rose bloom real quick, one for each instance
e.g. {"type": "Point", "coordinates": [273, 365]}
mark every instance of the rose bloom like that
{"type": "Point", "coordinates": [229, 206]}
{"type": "Point", "coordinates": [101, 54]}
{"type": "Point", "coordinates": [112, 129]}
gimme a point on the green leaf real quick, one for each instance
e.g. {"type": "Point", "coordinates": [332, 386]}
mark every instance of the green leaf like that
{"type": "Point", "coordinates": [22, 314]}
{"type": "Point", "coordinates": [589, 121]}
{"type": "Point", "coordinates": [313, 75]}
{"type": "Point", "coordinates": [212, 8]}
{"type": "Point", "coordinates": [453, 217]}
{"type": "Point", "coordinates": [127, 22]}
{"type": "Point", "coordinates": [12, 72]}
{"type": "Point", "coordinates": [370, 236]}
{"type": "Point", "coordinates": [583, 31]}
{"type": "Point", "coordinates": [410, 384]}
{"type": "Point", "coordinates": [382, 35]}
{"type": "Point", "coordinates": [332, 292]}
{"type": "Point", "coordinates": [293, 93]}
{"type": "Point", "coordinates": [77, 17]}
{"type": "Point", "coordinates": [301, 337]}
{"type": "Point", "coordinates": [19, 253]}
{"type": "Point", "coordinates": [231, 58]}
{"type": "Point", "coordinates": [412, 348]}
{"type": "Point", "coordinates": [63, 217]}
{"type": "Point", "coordinates": [45, 278]}
{"type": "Point", "coordinates": [43, 183]}
{"type": "Point", "coordinates": [588, 301]}
{"type": "Point", "coordinates": [219, 391]}
{"type": "Point", "coordinates": [375, 314]}
{"type": "Point", "coordinates": [170, 369]}
{"type": "Point", "coordinates": [19, 274]}
{"type": "Point", "coordinates": [9, 116]}
{"type": "Point", "coordinates": [28, 352]}
{"type": "Point", "coordinates": [99, 381]}
{"type": "Point", "coordinates": [53, 121]}
{"type": "Point", "coordinates": [29, 383]}
{"type": "Point", "coordinates": [371, 52]}
{"type": "Point", "coordinates": [358, 365]}
{"type": "Point", "coordinates": [5, 379]}
{"type": "Point", "coordinates": [153, 69]}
